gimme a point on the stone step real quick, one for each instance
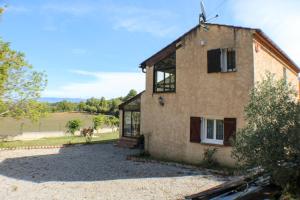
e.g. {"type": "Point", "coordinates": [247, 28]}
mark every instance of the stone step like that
{"type": "Point", "coordinates": [126, 142]}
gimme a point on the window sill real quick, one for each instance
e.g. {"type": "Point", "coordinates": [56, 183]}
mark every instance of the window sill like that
{"type": "Point", "coordinates": [212, 144]}
{"type": "Point", "coordinates": [170, 92]}
{"type": "Point", "coordinates": [229, 71]}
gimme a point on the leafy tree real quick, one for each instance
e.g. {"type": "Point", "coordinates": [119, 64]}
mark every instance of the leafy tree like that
{"type": "Point", "coordinates": [114, 106]}
{"type": "Point", "coordinates": [114, 122]}
{"type": "Point", "coordinates": [65, 106]}
{"type": "Point", "coordinates": [20, 85]}
{"type": "Point", "coordinates": [98, 122]}
{"type": "Point", "coordinates": [271, 137]}
{"type": "Point", "coordinates": [81, 106]}
{"type": "Point", "coordinates": [73, 126]}
{"type": "Point", "coordinates": [132, 93]}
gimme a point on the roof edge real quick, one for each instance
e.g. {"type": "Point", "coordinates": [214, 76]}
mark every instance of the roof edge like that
{"type": "Point", "coordinates": [274, 48]}
{"type": "Point", "coordinates": [261, 35]}
{"type": "Point", "coordinates": [130, 100]}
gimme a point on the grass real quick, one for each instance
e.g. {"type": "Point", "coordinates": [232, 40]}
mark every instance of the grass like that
{"type": "Point", "coordinates": [67, 140]}
{"type": "Point", "coordinates": [52, 122]}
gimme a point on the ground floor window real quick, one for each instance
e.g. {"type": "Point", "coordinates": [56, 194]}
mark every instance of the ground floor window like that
{"type": "Point", "coordinates": [213, 131]}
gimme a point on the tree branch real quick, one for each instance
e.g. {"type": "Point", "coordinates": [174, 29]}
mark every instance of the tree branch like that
{"type": "Point", "coordinates": [4, 113]}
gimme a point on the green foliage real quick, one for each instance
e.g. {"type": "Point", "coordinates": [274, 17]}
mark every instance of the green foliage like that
{"type": "Point", "coordinates": [20, 86]}
{"type": "Point", "coordinates": [98, 122]}
{"type": "Point", "coordinates": [208, 157]}
{"type": "Point", "coordinates": [73, 126]}
{"type": "Point", "coordinates": [101, 120]}
{"type": "Point", "coordinates": [114, 121]}
{"type": "Point", "coordinates": [271, 137]}
{"type": "Point", "coordinates": [92, 105]}
{"type": "Point", "coordinates": [132, 93]}
{"type": "Point", "coordinates": [64, 106]}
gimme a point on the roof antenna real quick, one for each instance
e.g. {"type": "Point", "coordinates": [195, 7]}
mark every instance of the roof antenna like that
{"type": "Point", "coordinates": [203, 17]}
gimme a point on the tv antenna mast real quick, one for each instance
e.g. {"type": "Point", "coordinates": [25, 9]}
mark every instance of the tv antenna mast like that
{"type": "Point", "coordinates": [203, 17]}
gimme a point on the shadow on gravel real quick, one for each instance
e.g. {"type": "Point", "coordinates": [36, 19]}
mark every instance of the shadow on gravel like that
{"type": "Point", "coordinates": [98, 162]}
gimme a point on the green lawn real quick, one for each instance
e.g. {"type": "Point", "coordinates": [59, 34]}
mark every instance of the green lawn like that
{"type": "Point", "coordinates": [101, 138]}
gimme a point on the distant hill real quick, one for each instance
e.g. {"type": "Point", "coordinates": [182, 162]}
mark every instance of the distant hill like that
{"type": "Point", "coordinates": [57, 99]}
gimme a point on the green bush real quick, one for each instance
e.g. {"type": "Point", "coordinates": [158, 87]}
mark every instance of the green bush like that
{"type": "Point", "coordinates": [73, 126]}
{"type": "Point", "coordinates": [98, 122]}
{"type": "Point", "coordinates": [270, 139]}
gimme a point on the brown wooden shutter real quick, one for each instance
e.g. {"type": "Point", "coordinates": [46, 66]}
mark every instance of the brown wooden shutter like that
{"type": "Point", "coordinates": [195, 129]}
{"type": "Point", "coordinates": [214, 60]}
{"type": "Point", "coordinates": [229, 130]}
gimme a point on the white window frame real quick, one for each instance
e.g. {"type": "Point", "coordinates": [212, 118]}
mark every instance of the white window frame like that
{"type": "Point", "coordinates": [204, 138]}
{"type": "Point", "coordinates": [224, 67]}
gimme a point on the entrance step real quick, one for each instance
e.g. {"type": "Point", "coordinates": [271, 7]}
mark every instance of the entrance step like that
{"type": "Point", "coordinates": [128, 142]}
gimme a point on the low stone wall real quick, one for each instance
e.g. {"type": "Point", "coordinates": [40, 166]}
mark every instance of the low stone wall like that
{"type": "Point", "coordinates": [39, 135]}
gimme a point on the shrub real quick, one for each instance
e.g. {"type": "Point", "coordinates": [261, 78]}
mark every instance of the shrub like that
{"type": "Point", "coordinates": [270, 139]}
{"type": "Point", "coordinates": [208, 157]}
{"type": "Point", "coordinates": [98, 122]}
{"type": "Point", "coordinates": [87, 132]}
{"type": "Point", "coordinates": [73, 126]}
{"type": "Point", "coordinates": [114, 121]}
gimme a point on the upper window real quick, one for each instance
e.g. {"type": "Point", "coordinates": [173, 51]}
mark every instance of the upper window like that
{"type": "Point", "coordinates": [221, 60]}
{"type": "Point", "coordinates": [165, 74]}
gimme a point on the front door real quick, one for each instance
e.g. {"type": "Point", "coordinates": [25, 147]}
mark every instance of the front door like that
{"type": "Point", "coordinates": [131, 126]}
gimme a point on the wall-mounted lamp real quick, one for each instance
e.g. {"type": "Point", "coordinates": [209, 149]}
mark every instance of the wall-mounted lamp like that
{"type": "Point", "coordinates": [202, 42]}
{"type": "Point", "coordinates": [161, 101]}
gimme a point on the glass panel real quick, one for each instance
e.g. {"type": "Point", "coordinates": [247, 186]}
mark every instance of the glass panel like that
{"type": "Point", "coordinates": [135, 123]}
{"type": "Point", "coordinates": [133, 105]}
{"type": "Point", "coordinates": [220, 130]}
{"type": "Point", "coordinates": [127, 124]}
{"type": "Point", "coordinates": [160, 77]}
{"type": "Point", "coordinates": [230, 59]}
{"type": "Point", "coordinates": [165, 74]}
{"type": "Point", "coordinates": [160, 81]}
{"type": "Point", "coordinates": [210, 129]}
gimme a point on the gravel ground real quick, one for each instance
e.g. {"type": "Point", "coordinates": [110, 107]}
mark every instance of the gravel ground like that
{"type": "Point", "coordinates": [94, 172]}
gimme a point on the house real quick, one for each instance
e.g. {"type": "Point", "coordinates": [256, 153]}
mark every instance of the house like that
{"type": "Point", "coordinates": [196, 91]}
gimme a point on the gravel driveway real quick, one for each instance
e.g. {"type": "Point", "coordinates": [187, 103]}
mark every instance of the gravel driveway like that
{"type": "Point", "coordinates": [94, 172]}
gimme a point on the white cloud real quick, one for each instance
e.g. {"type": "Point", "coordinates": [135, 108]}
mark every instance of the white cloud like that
{"type": "Point", "coordinates": [107, 84]}
{"type": "Point", "coordinates": [279, 19]}
{"type": "Point", "coordinates": [157, 22]}
{"type": "Point", "coordinates": [135, 19]}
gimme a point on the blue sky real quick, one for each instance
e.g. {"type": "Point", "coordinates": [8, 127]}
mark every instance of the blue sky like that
{"type": "Point", "coordinates": [94, 47]}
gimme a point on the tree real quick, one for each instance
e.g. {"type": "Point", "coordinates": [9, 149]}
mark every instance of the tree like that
{"type": "Point", "coordinates": [114, 106]}
{"type": "Point", "coordinates": [65, 106]}
{"type": "Point", "coordinates": [20, 86]}
{"type": "Point", "coordinates": [271, 137]}
{"type": "Point", "coordinates": [132, 93]}
{"type": "Point", "coordinates": [98, 122]}
{"type": "Point", "coordinates": [114, 122]}
{"type": "Point", "coordinates": [73, 126]}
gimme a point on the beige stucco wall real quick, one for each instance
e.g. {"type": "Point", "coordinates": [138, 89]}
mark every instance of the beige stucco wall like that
{"type": "Point", "coordinates": [198, 93]}
{"type": "Point", "coordinates": [264, 61]}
